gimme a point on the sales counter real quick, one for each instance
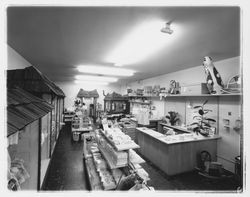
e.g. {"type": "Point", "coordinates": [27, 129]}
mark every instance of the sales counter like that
{"type": "Point", "coordinates": [177, 153]}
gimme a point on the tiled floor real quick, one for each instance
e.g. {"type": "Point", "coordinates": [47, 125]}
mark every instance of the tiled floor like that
{"type": "Point", "coordinates": [66, 172]}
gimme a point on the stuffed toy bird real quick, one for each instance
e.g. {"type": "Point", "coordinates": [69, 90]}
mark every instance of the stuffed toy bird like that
{"type": "Point", "coordinates": [214, 82]}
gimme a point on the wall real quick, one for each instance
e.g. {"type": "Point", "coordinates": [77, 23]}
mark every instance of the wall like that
{"type": "Point", "coordinates": [15, 60]}
{"type": "Point", "coordinates": [71, 90]}
{"type": "Point", "coordinates": [227, 68]}
{"type": "Point", "coordinates": [229, 145]}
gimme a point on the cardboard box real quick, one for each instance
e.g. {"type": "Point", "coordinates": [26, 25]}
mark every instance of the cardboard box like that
{"type": "Point", "coordinates": [195, 89]}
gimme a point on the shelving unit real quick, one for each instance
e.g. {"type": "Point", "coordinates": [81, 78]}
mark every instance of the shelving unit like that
{"type": "Point", "coordinates": [115, 104]}
{"type": "Point", "coordinates": [93, 177]}
{"type": "Point", "coordinates": [68, 116]}
{"type": "Point", "coordinates": [93, 173]}
{"type": "Point", "coordinates": [188, 95]}
{"type": "Point", "coordinates": [137, 102]}
{"type": "Point", "coordinates": [202, 95]}
{"type": "Point", "coordinates": [133, 145]}
{"type": "Point", "coordinates": [80, 126]}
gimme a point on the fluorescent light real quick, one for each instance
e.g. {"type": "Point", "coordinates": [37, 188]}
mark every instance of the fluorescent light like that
{"type": "Point", "coordinates": [91, 82]}
{"type": "Point", "coordinates": [95, 78]}
{"type": "Point", "coordinates": [118, 64]}
{"type": "Point", "coordinates": [142, 42]}
{"type": "Point", "coordinates": [105, 70]}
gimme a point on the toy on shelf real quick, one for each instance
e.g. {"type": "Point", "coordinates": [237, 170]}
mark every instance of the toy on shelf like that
{"type": "Point", "coordinates": [174, 87]}
{"type": "Point", "coordinates": [214, 81]}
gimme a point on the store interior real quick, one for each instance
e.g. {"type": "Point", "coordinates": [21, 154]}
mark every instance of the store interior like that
{"type": "Point", "coordinates": [124, 98]}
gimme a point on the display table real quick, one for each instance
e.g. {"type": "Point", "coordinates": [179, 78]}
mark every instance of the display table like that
{"type": "Point", "coordinates": [104, 170]}
{"type": "Point", "coordinates": [79, 126]}
{"type": "Point", "coordinates": [174, 154]}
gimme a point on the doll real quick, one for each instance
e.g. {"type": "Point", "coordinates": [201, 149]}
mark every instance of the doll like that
{"type": "Point", "coordinates": [214, 82]}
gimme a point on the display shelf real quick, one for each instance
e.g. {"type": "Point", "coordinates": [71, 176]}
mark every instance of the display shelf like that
{"type": "Point", "coordinates": [109, 160]}
{"type": "Point", "coordinates": [189, 95]}
{"type": "Point", "coordinates": [139, 102]}
{"type": "Point", "coordinates": [143, 96]}
{"type": "Point", "coordinates": [120, 147]}
{"type": "Point", "coordinates": [135, 159]}
{"type": "Point", "coordinates": [202, 95]}
{"type": "Point", "coordinates": [93, 176]}
{"type": "Point", "coordinates": [82, 129]}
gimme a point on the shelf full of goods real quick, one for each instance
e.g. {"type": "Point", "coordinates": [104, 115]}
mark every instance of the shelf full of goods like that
{"type": "Point", "coordinates": [115, 162]}
{"type": "Point", "coordinates": [68, 115]}
{"type": "Point", "coordinates": [213, 86]}
{"type": "Point", "coordinates": [80, 124]}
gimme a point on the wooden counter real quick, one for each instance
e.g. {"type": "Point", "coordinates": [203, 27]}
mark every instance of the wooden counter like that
{"type": "Point", "coordinates": [174, 154]}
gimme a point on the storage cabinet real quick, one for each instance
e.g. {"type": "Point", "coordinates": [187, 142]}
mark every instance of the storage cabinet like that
{"type": "Point", "coordinates": [116, 104]}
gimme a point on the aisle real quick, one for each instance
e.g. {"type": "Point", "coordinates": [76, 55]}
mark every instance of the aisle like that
{"type": "Point", "coordinates": [66, 170]}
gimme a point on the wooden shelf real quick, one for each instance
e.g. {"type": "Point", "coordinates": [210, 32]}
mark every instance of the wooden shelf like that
{"type": "Point", "coordinates": [83, 129]}
{"type": "Point", "coordinates": [202, 95]}
{"type": "Point", "coordinates": [184, 95]}
{"type": "Point", "coordinates": [137, 158]}
{"type": "Point", "coordinates": [139, 102]}
{"type": "Point", "coordinates": [144, 96]}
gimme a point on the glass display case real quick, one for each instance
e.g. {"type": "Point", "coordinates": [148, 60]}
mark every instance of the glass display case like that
{"type": "Point", "coordinates": [115, 103]}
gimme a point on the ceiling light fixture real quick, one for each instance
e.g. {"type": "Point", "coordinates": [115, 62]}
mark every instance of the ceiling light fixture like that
{"type": "Point", "coordinates": [91, 82]}
{"type": "Point", "coordinates": [141, 43]}
{"type": "Point", "coordinates": [95, 78]}
{"type": "Point", "coordinates": [118, 64]}
{"type": "Point", "coordinates": [167, 28]}
{"type": "Point", "coordinates": [93, 69]}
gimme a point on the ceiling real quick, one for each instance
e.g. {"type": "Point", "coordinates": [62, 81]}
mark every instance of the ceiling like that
{"type": "Point", "coordinates": [56, 39]}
